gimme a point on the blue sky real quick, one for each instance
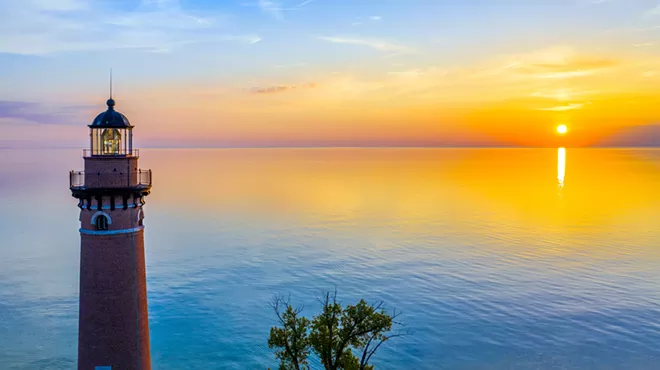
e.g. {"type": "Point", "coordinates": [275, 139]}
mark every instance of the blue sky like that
{"type": "Point", "coordinates": [186, 38]}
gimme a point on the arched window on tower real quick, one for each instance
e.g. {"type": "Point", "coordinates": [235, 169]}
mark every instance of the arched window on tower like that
{"type": "Point", "coordinates": [140, 217]}
{"type": "Point", "coordinates": [111, 138]}
{"type": "Point", "coordinates": [101, 222]}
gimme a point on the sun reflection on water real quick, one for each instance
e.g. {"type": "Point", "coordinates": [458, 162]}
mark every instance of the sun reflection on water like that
{"type": "Point", "coordinates": [561, 166]}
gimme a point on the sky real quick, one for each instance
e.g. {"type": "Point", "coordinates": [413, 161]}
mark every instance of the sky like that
{"type": "Point", "coordinates": [225, 73]}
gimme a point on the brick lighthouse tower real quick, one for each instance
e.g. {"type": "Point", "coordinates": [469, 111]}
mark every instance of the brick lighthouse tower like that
{"type": "Point", "coordinates": [113, 331]}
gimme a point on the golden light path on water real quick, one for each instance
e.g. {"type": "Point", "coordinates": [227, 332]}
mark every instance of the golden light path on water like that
{"type": "Point", "coordinates": [561, 166]}
{"type": "Point", "coordinates": [362, 185]}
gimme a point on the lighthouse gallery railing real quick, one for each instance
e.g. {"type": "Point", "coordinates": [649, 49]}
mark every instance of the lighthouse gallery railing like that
{"type": "Point", "coordinates": [80, 179]}
{"type": "Point", "coordinates": [120, 152]}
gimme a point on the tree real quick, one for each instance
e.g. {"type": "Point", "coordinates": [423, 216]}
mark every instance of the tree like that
{"type": "Point", "coordinates": [336, 335]}
{"type": "Point", "coordinates": [290, 339]}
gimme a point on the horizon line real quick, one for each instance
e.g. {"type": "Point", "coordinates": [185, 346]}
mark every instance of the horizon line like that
{"type": "Point", "coordinates": [358, 147]}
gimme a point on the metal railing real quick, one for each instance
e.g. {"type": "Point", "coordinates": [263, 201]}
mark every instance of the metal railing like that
{"type": "Point", "coordinates": [120, 153]}
{"type": "Point", "coordinates": [85, 180]}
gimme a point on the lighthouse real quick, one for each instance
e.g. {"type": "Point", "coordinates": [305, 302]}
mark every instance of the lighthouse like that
{"type": "Point", "coordinates": [113, 326]}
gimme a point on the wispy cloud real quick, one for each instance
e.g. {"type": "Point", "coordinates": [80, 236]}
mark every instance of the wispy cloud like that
{"type": "Point", "coordinates": [644, 44]}
{"type": "Point", "coordinates": [408, 73]}
{"type": "Point", "coordinates": [556, 79]}
{"type": "Point", "coordinates": [653, 11]}
{"type": "Point", "coordinates": [291, 65]}
{"type": "Point", "coordinates": [631, 30]}
{"type": "Point", "coordinates": [43, 113]}
{"type": "Point", "coordinates": [372, 43]}
{"type": "Point", "coordinates": [652, 28]}
{"type": "Point", "coordinates": [565, 75]}
{"type": "Point", "coordinates": [272, 8]}
{"type": "Point", "coordinates": [361, 20]}
{"type": "Point", "coordinates": [281, 88]}
{"type": "Point", "coordinates": [250, 39]}
{"type": "Point", "coordinates": [562, 63]}
{"type": "Point", "coordinates": [554, 63]}
{"type": "Point", "coordinates": [41, 27]}
{"type": "Point", "coordinates": [563, 94]}
{"type": "Point", "coordinates": [276, 9]}
{"type": "Point", "coordinates": [303, 3]}
{"type": "Point", "coordinates": [562, 108]}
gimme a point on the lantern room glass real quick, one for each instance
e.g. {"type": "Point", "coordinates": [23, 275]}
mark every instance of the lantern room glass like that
{"type": "Point", "coordinates": [110, 141]}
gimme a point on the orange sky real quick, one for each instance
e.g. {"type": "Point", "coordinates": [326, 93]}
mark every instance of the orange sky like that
{"type": "Point", "coordinates": [514, 99]}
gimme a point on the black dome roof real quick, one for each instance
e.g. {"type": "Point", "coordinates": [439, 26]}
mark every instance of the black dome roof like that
{"type": "Point", "coordinates": [110, 118]}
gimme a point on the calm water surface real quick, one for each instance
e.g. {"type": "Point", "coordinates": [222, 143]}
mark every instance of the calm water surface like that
{"type": "Point", "coordinates": [498, 258]}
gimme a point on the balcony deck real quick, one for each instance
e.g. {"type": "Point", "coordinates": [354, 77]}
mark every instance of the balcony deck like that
{"type": "Point", "coordinates": [91, 184]}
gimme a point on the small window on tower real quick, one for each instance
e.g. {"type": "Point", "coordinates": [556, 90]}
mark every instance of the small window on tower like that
{"type": "Point", "coordinates": [140, 217]}
{"type": "Point", "coordinates": [101, 223]}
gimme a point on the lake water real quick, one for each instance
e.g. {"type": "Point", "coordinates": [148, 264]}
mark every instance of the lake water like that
{"type": "Point", "coordinates": [498, 258]}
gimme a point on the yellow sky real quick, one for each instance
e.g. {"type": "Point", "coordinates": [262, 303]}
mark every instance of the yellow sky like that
{"type": "Point", "coordinates": [515, 99]}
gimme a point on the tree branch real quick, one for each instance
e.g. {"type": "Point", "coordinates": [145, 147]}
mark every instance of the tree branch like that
{"type": "Point", "coordinates": [364, 361]}
{"type": "Point", "coordinates": [292, 353]}
{"type": "Point", "coordinates": [385, 339]}
{"type": "Point", "coordinates": [351, 335]}
{"type": "Point", "coordinates": [329, 363]}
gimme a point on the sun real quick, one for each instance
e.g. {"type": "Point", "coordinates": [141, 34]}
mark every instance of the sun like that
{"type": "Point", "coordinates": [562, 129]}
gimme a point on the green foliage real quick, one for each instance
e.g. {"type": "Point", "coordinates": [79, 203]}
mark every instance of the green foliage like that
{"type": "Point", "coordinates": [335, 335]}
{"type": "Point", "coordinates": [291, 339]}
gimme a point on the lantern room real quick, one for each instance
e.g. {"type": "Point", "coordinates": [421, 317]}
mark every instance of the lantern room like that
{"type": "Point", "coordinates": [111, 133]}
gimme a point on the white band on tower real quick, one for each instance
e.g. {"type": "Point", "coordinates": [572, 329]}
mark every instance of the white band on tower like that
{"type": "Point", "coordinates": [111, 232]}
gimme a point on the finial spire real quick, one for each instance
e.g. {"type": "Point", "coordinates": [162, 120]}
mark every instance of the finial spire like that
{"type": "Point", "coordinates": [110, 102]}
{"type": "Point", "coordinates": [110, 83]}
